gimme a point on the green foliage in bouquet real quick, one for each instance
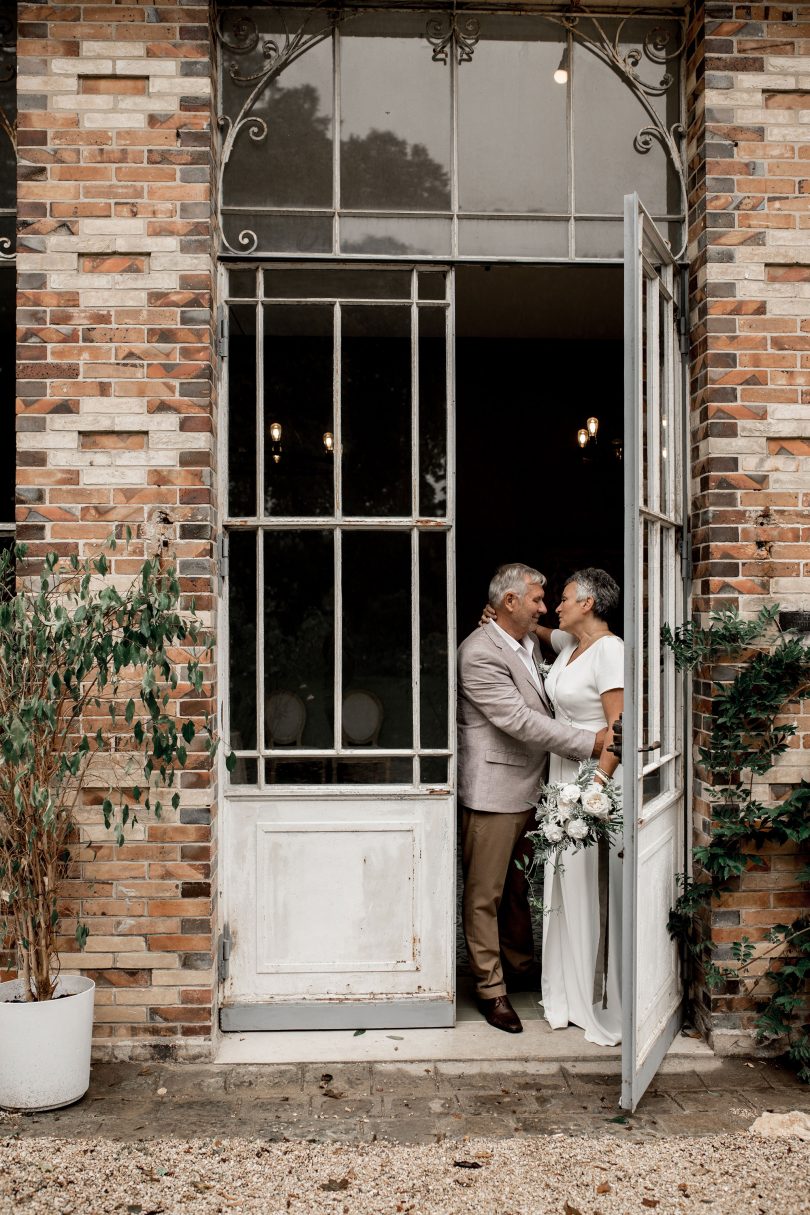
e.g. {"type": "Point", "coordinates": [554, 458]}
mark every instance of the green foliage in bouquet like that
{"type": "Point", "coordinates": [768, 671]}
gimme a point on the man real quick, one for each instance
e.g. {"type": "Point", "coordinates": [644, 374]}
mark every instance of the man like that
{"type": "Point", "coordinates": [506, 729]}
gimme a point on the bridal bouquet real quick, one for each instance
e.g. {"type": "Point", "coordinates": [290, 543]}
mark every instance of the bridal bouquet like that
{"type": "Point", "coordinates": [576, 814]}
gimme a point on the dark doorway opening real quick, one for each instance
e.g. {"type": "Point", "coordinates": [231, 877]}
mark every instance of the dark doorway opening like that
{"type": "Point", "coordinates": [539, 350]}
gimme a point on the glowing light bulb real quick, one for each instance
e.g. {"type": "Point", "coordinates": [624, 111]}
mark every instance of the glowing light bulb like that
{"type": "Point", "coordinates": [593, 426]}
{"type": "Point", "coordinates": [275, 431]}
{"type": "Point", "coordinates": [561, 73]}
{"type": "Point", "coordinates": [329, 442]}
{"type": "Point", "coordinates": [582, 437]}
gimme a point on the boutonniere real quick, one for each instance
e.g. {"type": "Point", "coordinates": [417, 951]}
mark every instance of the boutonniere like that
{"type": "Point", "coordinates": [543, 669]}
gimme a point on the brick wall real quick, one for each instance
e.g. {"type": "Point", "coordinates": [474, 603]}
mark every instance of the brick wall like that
{"type": "Point", "coordinates": [115, 426]}
{"type": "Point", "coordinates": [749, 165]}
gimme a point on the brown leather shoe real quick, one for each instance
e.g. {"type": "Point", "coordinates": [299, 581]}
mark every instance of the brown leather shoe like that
{"type": "Point", "coordinates": [500, 1014]}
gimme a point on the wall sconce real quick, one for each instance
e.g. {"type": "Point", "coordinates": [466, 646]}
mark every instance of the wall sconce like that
{"type": "Point", "coordinates": [329, 442]}
{"type": "Point", "coordinates": [561, 73]}
{"type": "Point", "coordinates": [275, 441]}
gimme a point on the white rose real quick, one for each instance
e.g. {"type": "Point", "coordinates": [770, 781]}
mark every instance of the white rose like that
{"type": "Point", "coordinates": [577, 828]}
{"type": "Point", "coordinates": [553, 833]}
{"type": "Point", "coordinates": [564, 811]}
{"type": "Point", "coordinates": [570, 793]}
{"type": "Point", "coordinates": [597, 803]}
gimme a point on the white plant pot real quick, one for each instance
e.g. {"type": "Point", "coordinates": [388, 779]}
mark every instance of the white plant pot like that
{"type": "Point", "coordinates": [45, 1045]}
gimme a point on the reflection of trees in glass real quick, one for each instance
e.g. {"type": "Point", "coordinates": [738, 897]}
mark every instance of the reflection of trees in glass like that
{"type": "Point", "coordinates": [382, 170]}
{"type": "Point", "coordinates": [292, 166]}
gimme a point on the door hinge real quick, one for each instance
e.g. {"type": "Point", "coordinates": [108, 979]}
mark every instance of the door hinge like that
{"type": "Point", "coordinates": [224, 954]}
{"type": "Point", "coordinates": [683, 312]}
{"type": "Point", "coordinates": [221, 340]}
{"type": "Point", "coordinates": [685, 549]}
{"type": "Point", "coordinates": [223, 550]}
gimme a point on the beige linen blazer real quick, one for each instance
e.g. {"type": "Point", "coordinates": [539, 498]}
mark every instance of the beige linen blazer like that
{"type": "Point", "coordinates": [506, 727]}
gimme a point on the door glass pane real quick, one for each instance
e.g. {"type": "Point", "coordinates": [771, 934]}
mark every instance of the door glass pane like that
{"type": "Point", "coordinates": [512, 119]}
{"type": "Point", "coordinates": [290, 151]}
{"type": "Point", "coordinates": [432, 411]}
{"type": "Point", "coordinates": [377, 669]}
{"type": "Point", "coordinates": [337, 284]}
{"type": "Point", "coordinates": [395, 116]}
{"type": "Point", "coordinates": [432, 286]}
{"type": "Point", "coordinates": [646, 591]}
{"type": "Point", "coordinates": [666, 387]}
{"type": "Point", "coordinates": [242, 639]}
{"type": "Point", "coordinates": [433, 770]}
{"type": "Point", "coordinates": [376, 410]}
{"type": "Point", "coordinates": [299, 638]}
{"type": "Point", "coordinates": [433, 639]}
{"type": "Point", "coordinates": [394, 770]}
{"type": "Point", "coordinates": [608, 117]}
{"type": "Point", "coordinates": [242, 411]}
{"type": "Point", "coordinates": [298, 387]}
{"type": "Point", "coordinates": [242, 284]}
{"type": "Point", "coordinates": [245, 772]}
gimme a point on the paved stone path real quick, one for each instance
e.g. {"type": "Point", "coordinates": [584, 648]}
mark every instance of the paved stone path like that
{"type": "Point", "coordinates": [412, 1103]}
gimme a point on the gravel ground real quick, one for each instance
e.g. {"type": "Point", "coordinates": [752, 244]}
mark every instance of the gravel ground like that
{"type": "Point", "coordinates": [723, 1175]}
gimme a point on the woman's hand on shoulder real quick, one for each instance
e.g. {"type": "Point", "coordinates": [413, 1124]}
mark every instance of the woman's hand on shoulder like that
{"type": "Point", "coordinates": [487, 614]}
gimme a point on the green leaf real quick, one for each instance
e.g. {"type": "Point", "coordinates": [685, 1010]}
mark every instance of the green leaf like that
{"type": "Point", "coordinates": [129, 712]}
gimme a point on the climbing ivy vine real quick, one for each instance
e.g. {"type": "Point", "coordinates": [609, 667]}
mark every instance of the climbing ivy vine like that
{"type": "Point", "coordinates": [761, 671]}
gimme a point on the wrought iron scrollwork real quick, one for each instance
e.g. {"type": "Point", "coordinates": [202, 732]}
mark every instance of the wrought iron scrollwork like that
{"type": "Point", "coordinates": [453, 30]}
{"type": "Point", "coordinates": [8, 118]}
{"type": "Point", "coordinates": [659, 46]}
{"type": "Point", "coordinates": [238, 34]}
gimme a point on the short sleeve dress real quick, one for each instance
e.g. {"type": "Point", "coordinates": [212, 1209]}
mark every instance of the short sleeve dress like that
{"type": "Point", "coordinates": [570, 892]}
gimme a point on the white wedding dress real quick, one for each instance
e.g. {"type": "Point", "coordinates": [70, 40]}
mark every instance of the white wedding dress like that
{"type": "Point", "coordinates": [570, 893]}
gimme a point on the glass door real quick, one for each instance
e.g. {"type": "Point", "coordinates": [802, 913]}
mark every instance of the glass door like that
{"type": "Point", "coordinates": [654, 595]}
{"type": "Point", "coordinates": [338, 827]}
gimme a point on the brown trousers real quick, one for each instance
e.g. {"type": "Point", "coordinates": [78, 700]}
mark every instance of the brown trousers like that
{"type": "Point", "coordinates": [495, 907]}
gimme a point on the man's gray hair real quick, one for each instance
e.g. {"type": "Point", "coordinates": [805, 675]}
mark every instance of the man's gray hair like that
{"type": "Point", "coordinates": [512, 579]}
{"type": "Point", "coordinates": [597, 585]}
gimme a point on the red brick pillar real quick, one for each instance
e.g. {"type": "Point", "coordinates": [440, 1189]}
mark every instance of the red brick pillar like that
{"type": "Point", "coordinates": [116, 427]}
{"type": "Point", "coordinates": [749, 173]}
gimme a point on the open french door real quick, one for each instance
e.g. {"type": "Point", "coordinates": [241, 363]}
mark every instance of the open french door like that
{"type": "Point", "coordinates": [654, 768]}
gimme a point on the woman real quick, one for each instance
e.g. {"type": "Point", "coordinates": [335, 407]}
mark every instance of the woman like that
{"type": "Point", "coordinates": [585, 685]}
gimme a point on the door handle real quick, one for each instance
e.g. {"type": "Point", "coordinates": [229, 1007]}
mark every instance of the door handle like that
{"type": "Point", "coordinates": [652, 747]}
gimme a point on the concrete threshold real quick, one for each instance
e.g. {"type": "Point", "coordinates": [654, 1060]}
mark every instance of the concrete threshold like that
{"type": "Point", "coordinates": [470, 1041]}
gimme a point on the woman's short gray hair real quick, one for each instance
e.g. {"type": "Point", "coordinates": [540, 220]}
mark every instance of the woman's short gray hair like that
{"type": "Point", "coordinates": [512, 579]}
{"type": "Point", "coordinates": [599, 586]}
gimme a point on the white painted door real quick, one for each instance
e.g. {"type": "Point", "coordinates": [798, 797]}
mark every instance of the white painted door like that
{"type": "Point", "coordinates": [653, 748]}
{"type": "Point", "coordinates": [338, 822]}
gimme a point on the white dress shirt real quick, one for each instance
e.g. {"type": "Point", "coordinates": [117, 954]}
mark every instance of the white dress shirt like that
{"type": "Point", "coordinates": [524, 649]}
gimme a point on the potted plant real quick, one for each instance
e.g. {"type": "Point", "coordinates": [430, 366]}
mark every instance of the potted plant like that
{"type": "Point", "coordinates": [89, 683]}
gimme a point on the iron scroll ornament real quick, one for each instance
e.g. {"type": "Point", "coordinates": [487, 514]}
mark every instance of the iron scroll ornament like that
{"type": "Point", "coordinates": [657, 48]}
{"type": "Point", "coordinates": [239, 34]}
{"type": "Point", "coordinates": [456, 30]}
